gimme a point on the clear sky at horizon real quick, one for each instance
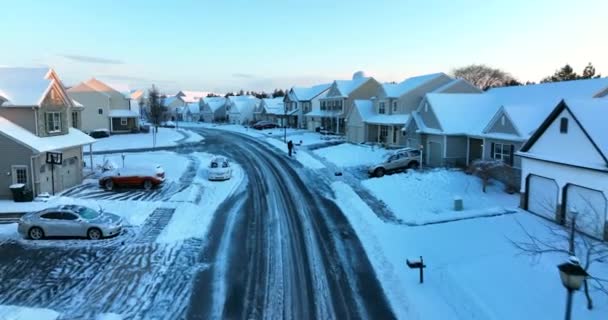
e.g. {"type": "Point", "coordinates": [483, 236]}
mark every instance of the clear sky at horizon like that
{"type": "Point", "coordinates": [260, 45]}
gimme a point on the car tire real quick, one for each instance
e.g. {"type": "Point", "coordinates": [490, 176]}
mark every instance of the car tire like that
{"type": "Point", "coordinates": [35, 233]}
{"type": "Point", "coordinates": [147, 185]}
{"type": "Point", "coordinates": [379, 173]}
{"type": "Point", "coordinates": [109, 185]}
{"type": "Point", "coordinates": [94, 234]}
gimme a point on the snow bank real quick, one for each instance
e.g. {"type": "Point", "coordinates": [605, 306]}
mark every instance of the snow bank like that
{"type": "Point", "coordinates": [25, 313]}
{"type": "Point", "coordinates": [166, 137]}
{"type": "Point", "coordinates": [351, 155]}
{"type": "Point", "coordinates": [8, 232]}
{"type": "Point", "coordinates": [108, 316]}
{"type": "Point", "coordinates": [423, 197]}
{"type": "Point", "coordinates": [473, 271]}
{"type": "Point", "coordinates": [302, 156]}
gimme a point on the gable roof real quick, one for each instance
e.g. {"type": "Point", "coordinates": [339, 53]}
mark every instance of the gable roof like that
{"type": "Point", "coordinates": [524, 117]}
{"type": "Point", "coordinates": [192, 96]}
{"type": "Point", "coordinates": [453, 83]}
{"type": "Point", "coordinates": [43, 144]}
{"type": "Point", "coordinates": [396, 90]}
{"type": "Point", "coordinates": [24, 86]}
{"type": "Point", "coordinates": [460, 114]}
{"type": "Point", "coordinates": [243, 104]}
{"type": "Point", "coordinates": [346, 87]}
{"type": "Point", "coordinates": [577, 89]}
{"type": "Point", "coordinates": [273, 105]}
{"type": "Point", "coordinates": [309, 93]}
{"type": "Point", "coordinates": [214, 103]}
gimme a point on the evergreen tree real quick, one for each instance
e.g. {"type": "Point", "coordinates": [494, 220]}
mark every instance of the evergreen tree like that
{"type": "Point", "coordinates": [229, 94]}
{"type": "Point", "coordinates": [241, 93]}
{"type": "Point", "coordinates": [589, 72]}
{"type": "Point", "coordinates": [278, 93]}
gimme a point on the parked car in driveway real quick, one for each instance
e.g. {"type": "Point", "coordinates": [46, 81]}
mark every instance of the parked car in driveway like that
{"type": "Point", "coordinates": [143, 177]}
{"type": "Point", "coordinates": [167, 124]}
{"type": "Point", "coordinates": [69, 221]}
{"type": "Point", "coordinates": [100, 133]}
{"type": "Point", "coordinates": [399, 160]}
{"type": "Point", "coordinates": [219, 169]}
{"type": "Point", "coordinates": [260, 125]}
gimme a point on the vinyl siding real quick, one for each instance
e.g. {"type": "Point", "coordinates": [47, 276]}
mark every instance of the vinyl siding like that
{"type": "Point", "coordinates": [429, 118]}
{"type": "Point", "coordinates": [24, 117]}
{"type": "Point", "coordinates": [456, 151]}
{"type": "Point", "coordinates": [92, 102]}
{"type": "Point", "coordinates": [13, 153]}
{"type": "Point", "coordinates": [499, 127]}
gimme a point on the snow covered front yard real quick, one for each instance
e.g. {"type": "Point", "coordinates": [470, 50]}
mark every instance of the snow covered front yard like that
{"type": "Point", "coordinates": [352, 155]}
{"type": "Point", "coordinates": [303, 157]}
{"type": "Point", "coordinates": [418, 197]}
{"type": "Point", "coordinates": [166, 137]}
{"type": "Point", "coordinates": [473, 270]}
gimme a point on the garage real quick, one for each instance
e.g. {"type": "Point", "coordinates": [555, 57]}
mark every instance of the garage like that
{"type": "Point", "coordinates": [69, 173]}
{"type": "Point", "coordinates": [591, 207]}
{"type": "Point", "coordinates": [542, 196]}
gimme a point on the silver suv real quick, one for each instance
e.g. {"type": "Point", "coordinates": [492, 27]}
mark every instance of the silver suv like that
{"type": "Point", "coordinates": [398, 160]}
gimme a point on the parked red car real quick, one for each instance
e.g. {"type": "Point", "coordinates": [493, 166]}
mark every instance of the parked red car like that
{"type": "Point", "coordinates": [146, 178]}
{"type": "Point", "coordinates": [264, 125]}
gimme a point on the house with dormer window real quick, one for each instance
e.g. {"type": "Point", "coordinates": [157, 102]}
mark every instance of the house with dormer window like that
{"type": "Point", "coordinates": [36, 117]}
{"type": "Point", "coordinates": [300, 101]}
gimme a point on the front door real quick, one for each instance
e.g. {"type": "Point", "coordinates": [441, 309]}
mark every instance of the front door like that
{"type": "Point", "coordinates": [475, 149]}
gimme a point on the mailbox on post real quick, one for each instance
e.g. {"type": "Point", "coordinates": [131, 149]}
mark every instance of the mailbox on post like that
{"type": "Point", "coordinates": [417, 265]}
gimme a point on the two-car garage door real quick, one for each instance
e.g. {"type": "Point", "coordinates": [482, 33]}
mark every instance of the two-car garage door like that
{"type": "Point", "coordinates": [590, 204]}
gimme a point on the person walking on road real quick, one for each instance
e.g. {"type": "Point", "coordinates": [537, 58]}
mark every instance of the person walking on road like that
{"type": "Point", "coordinates": [290, 147]}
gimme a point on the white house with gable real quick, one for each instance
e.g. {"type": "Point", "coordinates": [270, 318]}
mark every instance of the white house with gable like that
{"type": "Point", "coordinates": [565, 166]}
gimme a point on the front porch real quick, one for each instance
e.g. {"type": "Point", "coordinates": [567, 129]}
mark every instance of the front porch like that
{"type": "Point", "coordinates": [391, 136]}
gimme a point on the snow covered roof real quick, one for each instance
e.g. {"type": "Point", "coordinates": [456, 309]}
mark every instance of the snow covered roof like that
{"type": "Point", "coordinates": [525, 118]}
{"type": "Point", "coordinates": [273, 105]}
{"type": "Point", "coordinates": [396, 90]}
{"type": "Point", "coordinates": [463, 113]}
{"type": "Point", "coordinates": [577, 89]}
{"type": "Point", "coordinates": [136, 94]}
{"type": "Point", "coordinates": [24, 86]}
{"type": "Point", "coordinates": [122, 113]}
{"type": "Point", "coordinates": [193, 107]}
{"type": "Point", "coordinates": [243, 104]}
{"type": "Point", "coordinates": [77, 104]}
{"type": "Point", "coordinates": [452, 83]}
{"type": "Point", "coordinates": [346, 87]}
{"type": "Point", "coordinates": [43, 144]}
{"type": "Point", "coordinates": [309, 93]}
{"type": "Point", "coordinates": [171, 99]}
{"type": "Point", "coordinates": [365, 108]}
{"type": "Point", "coordinates": [388, 119]}
{"type": "Point", "coordinates": [592, 114]}
{"type": "Point", "coordinates": [323, 113]}
{"type": "Point", "coordinates": [192, 96]}
{"type": "Point", "coordinates": [214, 103]}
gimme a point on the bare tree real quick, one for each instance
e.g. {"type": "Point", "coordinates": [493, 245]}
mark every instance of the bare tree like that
{"type": "Point", "coordinates": [568, 241]}
{"type": "Point", "coordinates": [483, 169]}
{"type": "Point", "coordinates": [156, 103]}
{"type": "Point", "coordinates": [485, 77]}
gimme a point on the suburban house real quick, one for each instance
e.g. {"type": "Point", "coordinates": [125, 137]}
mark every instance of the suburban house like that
{"type": "Point", "coordinates": [382, 118]}
{"type": "Point", "coordinates": [565, 166]}
{"type": "Point", "coordinates": [190, 112]}
{"type": "Point", "coordinates": [270, 109]}
{"type": "Point", "coordinates": [173, 105]}
{"type": "Point", "coordinates": [137, 101]}
{"type": "Point", "coordinates": [104, 107]}
{"type": "Point", "coordinates": [37, 116]}
{"type": "Point", "coordinates": [302, 100]}
{"type": "Point", "coordinates": [338, 101]}
{"type": "Point", "coordinates": [239, 109]}
{"type": "Point", "coordinates": [213, 109]}
{"type": "Point", "coordinates": [456, 129]}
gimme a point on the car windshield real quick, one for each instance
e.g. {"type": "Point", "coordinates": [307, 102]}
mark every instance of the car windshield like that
{"type": "Point", "coordinates": [88, 213]}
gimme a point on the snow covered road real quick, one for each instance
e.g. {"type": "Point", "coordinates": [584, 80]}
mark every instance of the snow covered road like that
{"type": "Point", "coordinates": [279, 249]}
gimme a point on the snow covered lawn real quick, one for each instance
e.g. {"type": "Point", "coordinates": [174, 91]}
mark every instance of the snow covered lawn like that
{"type": "Point", "coordinates": [303, 157]}
{"type": "Point", "coordinates": [352, 155]}
{"type": "Point", "coordinates": [420, 197]}
{"type": "Point", "coordinates": [307, 138]}
{"type": "Point", "coordinates": [25, 313]}
{"type": "Point", "coordinates": [473, 271]}
{"type": "Point", "coordinates": [166, 137]}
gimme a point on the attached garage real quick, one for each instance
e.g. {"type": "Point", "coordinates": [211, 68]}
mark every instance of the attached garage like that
{"type": "Point", "coordinates": [434, 156]}
{"type": "Point", "coordinates": [591, 207]}
{"type": "Point", "coordinates": [542, 196]}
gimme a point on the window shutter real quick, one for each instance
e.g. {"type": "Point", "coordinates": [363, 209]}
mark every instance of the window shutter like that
{"type": "Point", "coordinates": [511, 152]}
{"type": "Point", "coordinates": [492, 150]}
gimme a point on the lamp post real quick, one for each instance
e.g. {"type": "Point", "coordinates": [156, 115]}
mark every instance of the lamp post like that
{"type": "Point", "coordinates": [284, 124]}
{"type": "Point", "coordinates": [572, 276]}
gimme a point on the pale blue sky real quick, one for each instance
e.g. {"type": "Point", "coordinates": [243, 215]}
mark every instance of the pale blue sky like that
{"type": "Point", "coordinates": [228, 45]}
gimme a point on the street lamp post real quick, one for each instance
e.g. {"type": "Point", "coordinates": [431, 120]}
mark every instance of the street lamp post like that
{"type": "Point", "coordinates": [572, 276]}
{"type": "Point", "coordinates": [284, 123]}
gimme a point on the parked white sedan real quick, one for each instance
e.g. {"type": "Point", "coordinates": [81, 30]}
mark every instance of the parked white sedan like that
{"type": "Point", "coordinates": [219, 169]}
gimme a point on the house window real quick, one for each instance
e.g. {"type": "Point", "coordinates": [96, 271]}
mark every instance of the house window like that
{"type": "Point", "coordinates": [323, 106]}
{"type": "Point", "coordinates": [123, 121]}
{"type": "Point", "coordinates": [53, 122]}
{"type": "Point", "coordinates": [426, 107]}
{"type": "Point", "coordinates": [502, 152]}
{"type": "Point", "coordinates": [394, 106]}
{"type": "Point", "coordinates": [75, 119]}
{"type": "Point", "coordinates": [20, 174]}
{"type": "Point", "coordinates": [381, 107]}
{"type": "Point", "coordinates": [100, 111]}
{"type": "Point", "coordinates": [502, 120]}
{"type": "Point", "coordinates": [563, 125]}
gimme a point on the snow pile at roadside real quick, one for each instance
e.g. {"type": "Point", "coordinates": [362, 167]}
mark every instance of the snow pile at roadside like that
{"type": "Point", "coordinates": [108, 316]}
{"type": "Point", "coordinates": [473, 270]}
{"type": "Point", "coordinates": [193, 137]}
{"type": "Point", "coordinates": [428, 196]}
{"type": "Point", "coordinates": [25, 313]}
{"type": "Point", "coordinates": [8, 231]}
{"type": "Point", "coordinates": [303, 157]}
{"type": "Point", "coordinates": [352, 155]}
{"type": "Point", "coordinates": [307, 138]}
{"type": "Point", "coordinates": [191, 220]}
